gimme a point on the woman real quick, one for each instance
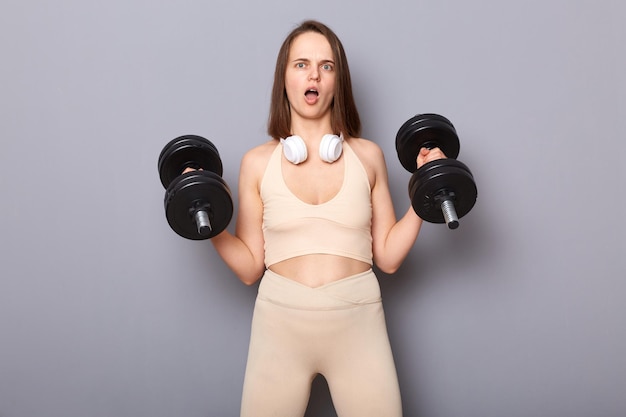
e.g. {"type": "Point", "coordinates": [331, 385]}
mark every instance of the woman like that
{"type": "Point", "coordinates": [315, 213]}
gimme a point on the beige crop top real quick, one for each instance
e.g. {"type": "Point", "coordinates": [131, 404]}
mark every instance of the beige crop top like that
{"type": "Point", "coordinates": [340, 226]}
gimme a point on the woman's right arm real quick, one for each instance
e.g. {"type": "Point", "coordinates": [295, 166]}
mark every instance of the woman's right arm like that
{"type": "Point", "coordinates": [243, 252]}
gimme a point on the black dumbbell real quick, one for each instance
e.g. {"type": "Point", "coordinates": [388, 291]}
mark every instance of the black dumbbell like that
{"type": "Point", "coordinates": [441, 191]}
{"type": "Point", "coordinates": [198, 204]}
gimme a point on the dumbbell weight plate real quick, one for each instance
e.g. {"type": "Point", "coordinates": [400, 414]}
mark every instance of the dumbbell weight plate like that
{"type": "Point", "coordinates": [188, 151]}
{"type": "Point", "coordinates": [437, 177]}
{"type": "Point", "coordinates": [198, 187]}
{"type": "Point", "coordinates": [425, 130]}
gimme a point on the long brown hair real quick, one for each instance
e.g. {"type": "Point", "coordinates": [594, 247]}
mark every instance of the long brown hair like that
{"type": "Point", "coordinates": [344, 114]}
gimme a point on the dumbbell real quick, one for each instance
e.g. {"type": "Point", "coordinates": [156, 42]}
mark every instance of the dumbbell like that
{"type": "Point", "coordinates": [442, 190]}
{"type": "Point", "coordinates": [198, 204]}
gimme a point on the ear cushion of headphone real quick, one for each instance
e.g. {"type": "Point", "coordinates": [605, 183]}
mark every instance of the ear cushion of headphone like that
{"type": "Point", "coordinates": [331, 147]}
{"type": "Point", "coordinates": [294, 149]}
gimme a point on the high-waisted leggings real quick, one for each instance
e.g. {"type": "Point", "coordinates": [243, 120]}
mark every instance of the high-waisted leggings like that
{"type": "Point", "coordinates": [337, 330]}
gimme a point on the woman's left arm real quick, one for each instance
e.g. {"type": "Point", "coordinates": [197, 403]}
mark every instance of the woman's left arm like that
{"type": "Point", "coordinates": [392, 239]}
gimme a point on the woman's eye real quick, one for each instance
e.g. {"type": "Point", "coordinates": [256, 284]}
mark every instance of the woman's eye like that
{"type": "Point", "coordinates": [327, 67]}
{"type": "Point", "coordinates": [300, 65]}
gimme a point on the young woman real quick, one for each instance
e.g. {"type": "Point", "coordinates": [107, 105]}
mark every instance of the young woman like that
{"type": "Point", "coordinates": [315, 213]}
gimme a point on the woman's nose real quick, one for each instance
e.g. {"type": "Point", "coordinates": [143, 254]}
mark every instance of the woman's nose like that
{"type": "Point", "coordinates": [314, 75]}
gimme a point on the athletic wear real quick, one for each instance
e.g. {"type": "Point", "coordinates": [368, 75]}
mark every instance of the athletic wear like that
{"type": "Point", "coordinates": [337, 330]}
{"type": "Point", "coordinates": [340, 226]}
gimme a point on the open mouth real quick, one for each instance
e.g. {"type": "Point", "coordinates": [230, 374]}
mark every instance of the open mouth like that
{"type": "Point", "coordinates": [311, 93]}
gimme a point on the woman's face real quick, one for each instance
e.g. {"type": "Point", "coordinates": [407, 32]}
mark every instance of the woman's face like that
{"type": "Point", "coordinates": [310, 76]}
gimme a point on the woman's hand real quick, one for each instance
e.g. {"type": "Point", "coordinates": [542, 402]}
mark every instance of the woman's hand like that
{"type": "Point", "coordinates": [426, 155]}
{"type": "Point", "coordinates": [189, 169]}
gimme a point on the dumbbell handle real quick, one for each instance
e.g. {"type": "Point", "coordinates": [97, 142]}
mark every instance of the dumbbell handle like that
{"type": "Point", "coordinates": [449, 214]}
{"type": "Point", "coordinates": [446, 201]}
{"type": "Point", "coordinates": [203, 223]}
{"type": "Point", "coordinates": [200, 213]}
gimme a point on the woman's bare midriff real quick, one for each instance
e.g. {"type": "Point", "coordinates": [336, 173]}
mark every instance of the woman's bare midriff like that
{"type": "Point", "coordinates": [316, 270]}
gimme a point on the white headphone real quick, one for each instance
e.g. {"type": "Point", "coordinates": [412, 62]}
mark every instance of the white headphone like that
{"type": "Point", "coordinates": [294, 148]}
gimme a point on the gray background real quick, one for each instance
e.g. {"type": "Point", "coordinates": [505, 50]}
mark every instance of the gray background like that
{"type": "Point", "coordinates": [104, 311]}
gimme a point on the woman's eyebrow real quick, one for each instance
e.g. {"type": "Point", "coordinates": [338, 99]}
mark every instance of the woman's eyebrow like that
{"type": "Point", "coordinates": [323, 61]}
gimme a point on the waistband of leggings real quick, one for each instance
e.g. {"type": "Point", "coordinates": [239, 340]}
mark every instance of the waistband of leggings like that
{"type": "Point", "coordinates": [353, 291]}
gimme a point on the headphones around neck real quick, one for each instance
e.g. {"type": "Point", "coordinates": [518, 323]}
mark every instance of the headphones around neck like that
{"type": "Point", "coordinates": [294, 148]}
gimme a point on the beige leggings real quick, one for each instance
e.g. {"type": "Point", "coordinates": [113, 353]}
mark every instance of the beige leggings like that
{"type": "Point", "coordinates": [337, 330]}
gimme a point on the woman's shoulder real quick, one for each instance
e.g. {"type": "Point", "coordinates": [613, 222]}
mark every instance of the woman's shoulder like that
{"type": "Point", "coordinates": [256, 159]}
{"type": "Point", "coordinates": [263, 150]}
{"type": "Point", "coordinates": [367, 150]}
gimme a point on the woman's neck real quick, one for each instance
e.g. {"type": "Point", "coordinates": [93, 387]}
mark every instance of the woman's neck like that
{"type": "Point", "coordinates": [311, 129]}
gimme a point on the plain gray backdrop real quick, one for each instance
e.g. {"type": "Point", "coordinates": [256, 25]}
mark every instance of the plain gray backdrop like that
{"type": "Point", "coordinates": [105, 312]}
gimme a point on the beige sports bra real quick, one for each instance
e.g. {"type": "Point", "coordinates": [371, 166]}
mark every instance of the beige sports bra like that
{"type": "Point", "coordinates": [340, 226]}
